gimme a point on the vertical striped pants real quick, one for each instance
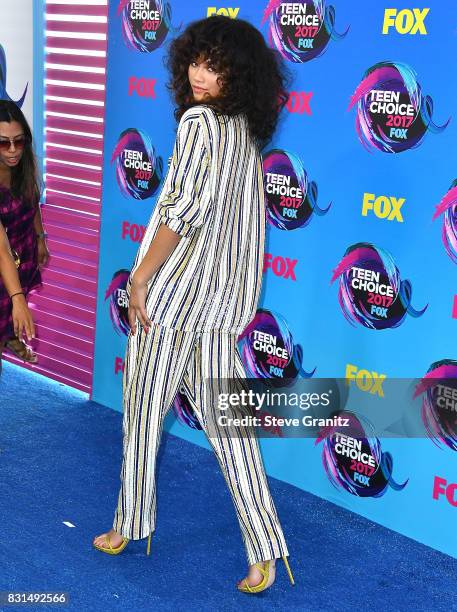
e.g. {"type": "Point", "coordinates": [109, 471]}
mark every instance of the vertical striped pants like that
{"type": "Point", "coordinates": [157, 365]}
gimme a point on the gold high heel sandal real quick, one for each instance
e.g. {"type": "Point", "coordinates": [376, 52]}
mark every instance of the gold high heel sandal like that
{"type": "Point", "coordinates": [120, 548]}
{"type": "Point", "coordinates": [268, 577]}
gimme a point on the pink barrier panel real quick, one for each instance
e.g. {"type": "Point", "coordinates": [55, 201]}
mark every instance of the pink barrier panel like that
{"type": "Point", "coordinates": [75, 328]}
{"type": "Point", "coordinates": [58, 291]}
{"type": "Point", "coordinates": [78, 220]}
{"type": "Point", "coordinates": [70, 280]}
{"type": "Point", "coordinates": [75, 75]}
{"type": "Point", "coordinates": [69, 356]}
{"type": "Point", "coordinates": [64, 308]}
{"type": "Point", "coordinates": [59, 338]}
{"type": "Point", "coordinates": [54, 57]}
{"type": "Point", "coordinates": [73, 43]}
{"type": "Point", "coordinates": [75, 26]}
{"type": "Point", "coordinates": [97, 95]}
{"type": "Point", "coordinates": [68, 9]}
{"type": "Point", "coordinates": [65, 249]}
{"type": "Point", "coordinates": [72, 108]}
{"type": "Point", "coordinates": [74, 264]}
{"type": "Point", "coordinates": [77, 125]}
{"type": "Point", "coordinates": [86, 239]}
{"type": "Point", "coordinates": [72, 172]}
{"type": "Point", "coordinates": [74, 203]}
{"type": "Point", "coordinates": [75, 187]}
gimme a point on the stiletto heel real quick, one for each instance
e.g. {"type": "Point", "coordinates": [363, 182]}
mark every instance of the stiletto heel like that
{"type": "Point", "coordinates": [286, 563]}
{"type": "Point", "coordinates": [148, 549]}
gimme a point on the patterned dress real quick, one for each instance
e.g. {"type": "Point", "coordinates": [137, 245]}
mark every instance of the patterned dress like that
{"type": "Point", "coordinates": [16, 216]}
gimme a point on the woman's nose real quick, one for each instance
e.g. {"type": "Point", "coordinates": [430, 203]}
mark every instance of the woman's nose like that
{"type": "Point", "coordinates": [199, 73]}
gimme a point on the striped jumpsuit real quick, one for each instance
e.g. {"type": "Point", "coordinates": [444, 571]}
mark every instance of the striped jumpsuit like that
{"type": "Point", "coordinates": [199, 301]}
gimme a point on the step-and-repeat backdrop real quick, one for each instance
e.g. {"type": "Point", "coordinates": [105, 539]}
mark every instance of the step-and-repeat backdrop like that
{"type": "Point", "coordinates": [361, 258]}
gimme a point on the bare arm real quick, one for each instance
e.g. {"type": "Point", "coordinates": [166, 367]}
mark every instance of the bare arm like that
{"type": "Point", "coordinates": [22, 318]}
{"type": "Point", "coordinates": [8, 268]}
{"type": "Point", "coordinates": [37, 220]}
{"type": "Point", "coordinates": [164, 243]}
{"type": "Point", "coordinates": [43, 253]}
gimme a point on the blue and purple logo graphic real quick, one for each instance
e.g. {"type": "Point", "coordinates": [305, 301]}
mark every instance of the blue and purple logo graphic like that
{"type": "Point", "coordinates": [300, 31]}
{"type": "Point", "coordinates": [268, 351]}
{"type": "Point", "coordinates": [448, 208]}
{"type": "Point", "coordinates": [371, 292]}
{"type": "Point", "coordinates": [3, 93]}
{"type": "Point", "coordinates": [119, 302]}
{"type": "Point", "coordinates": [439, 402]}
{"type": "Point", "coordinates": [392, 113]}
{"type": "Point", "coordinates": [291, 197]}
{"type": "Point", "coordinates": [184, 411]}
{"type": "Point", "coordinates": [138, 169]}
{"type": "Point", "coordinates": [145, 24]}
{"type": "Point", "coordinates": [353, 459]}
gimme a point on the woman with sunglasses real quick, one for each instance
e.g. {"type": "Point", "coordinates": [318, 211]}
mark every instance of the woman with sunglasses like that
{"type": "Point", "coordinates": [23, 248]}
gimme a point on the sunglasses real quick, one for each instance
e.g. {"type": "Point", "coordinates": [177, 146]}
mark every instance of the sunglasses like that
{"type": "Point", "coordinates": [18, 143]}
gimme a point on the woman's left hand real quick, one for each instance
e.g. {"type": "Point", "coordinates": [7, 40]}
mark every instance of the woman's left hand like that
{"type": "Point", "coordinates": [43, 253]}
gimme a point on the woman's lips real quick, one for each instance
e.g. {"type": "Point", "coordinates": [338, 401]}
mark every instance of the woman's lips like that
{"type": "Point", "coordinates": [198, 89]}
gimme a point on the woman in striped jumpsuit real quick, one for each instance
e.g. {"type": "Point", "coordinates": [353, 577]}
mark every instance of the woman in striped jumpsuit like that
{"type": "Point", "coordinates": [196, 281]}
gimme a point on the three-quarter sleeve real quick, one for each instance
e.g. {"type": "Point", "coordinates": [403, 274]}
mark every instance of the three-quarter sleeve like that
{"type": "Point", "coordinates": [184, 204]}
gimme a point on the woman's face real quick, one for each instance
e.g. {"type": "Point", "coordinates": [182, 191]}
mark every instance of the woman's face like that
{"type": "Point", "coordinates": [10, 156]}
{"type": "Point", "coordinates": [203, 80]}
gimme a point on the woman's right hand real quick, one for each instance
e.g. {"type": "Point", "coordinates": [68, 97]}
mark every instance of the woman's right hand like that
{"type": "Point", "coordinates": [22, 318]}
{"type": "Point", "coordinates": [137, 305]}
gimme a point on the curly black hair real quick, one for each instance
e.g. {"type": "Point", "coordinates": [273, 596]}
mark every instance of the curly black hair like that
{"type": "Point", "coordinates": [253, 78]}
{"type": "Point", "coordinates": [25, 181]}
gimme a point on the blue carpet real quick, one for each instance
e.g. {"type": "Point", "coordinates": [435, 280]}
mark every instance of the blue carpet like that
{"type": "Point", "coordinates": [60, 458]}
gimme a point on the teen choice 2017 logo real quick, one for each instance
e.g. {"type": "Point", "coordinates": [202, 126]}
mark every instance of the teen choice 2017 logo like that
{"type": "Point", "coordinates": [145, 23]}
{"type": "Point", "coordinates": [353, 459]}
{"type": "Point", "coordinates": [371, 292]}
{"type": "Point", "coordinates": [268, 350]}
{"type": "Point", "coordinates": [184, 410]}
{"type": "Point", "coordinates": [119, 302]}
{"type": "Point", "coordinates": [439, 402]}
{"type": "Point", "coordinates": [448, 208]}
{"type": "Point", "coordinates": [291, 197]}
{"type": "Point", "coordinates": [392, 113]}
{"type": "Point", "coordinates": [138, 168]}
{"type": "Point", "coordinates": [300, 30]}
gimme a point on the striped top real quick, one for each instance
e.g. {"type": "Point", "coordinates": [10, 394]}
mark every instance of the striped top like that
{"type": "Point", "coordinates": [213, 196]}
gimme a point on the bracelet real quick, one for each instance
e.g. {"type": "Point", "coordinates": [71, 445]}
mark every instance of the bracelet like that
{"type": "Point", "coordinates": [42, 235]}
{"type": "Point", "coordinates": [18, 293]}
